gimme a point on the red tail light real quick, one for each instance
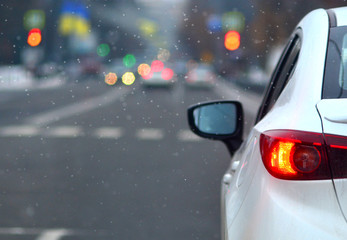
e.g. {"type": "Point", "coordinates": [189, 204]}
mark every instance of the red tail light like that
{"type": "Point", "coordinates": [294, 155]}
{"type": "Point", "coordinates": [337, 153]}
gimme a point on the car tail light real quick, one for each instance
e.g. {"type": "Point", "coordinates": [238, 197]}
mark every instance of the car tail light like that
{"type": "Point", "coordinates": [337, 153]}
{"type": "Point", "coordinates": [294, 155]}
{"type": "Point", "coordinates": [148, 76]}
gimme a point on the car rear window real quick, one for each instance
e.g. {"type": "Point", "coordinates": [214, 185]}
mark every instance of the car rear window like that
{"type": "Point", "coordinates": [335, 77]}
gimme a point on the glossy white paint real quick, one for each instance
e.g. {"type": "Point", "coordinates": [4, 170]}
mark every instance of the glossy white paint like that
{"type": "Point", "coordinates": [334, 120]}
{"type": "Point", "coordinates": [256, 205]}
{"type": "Point", "coordinates": [341, 16]}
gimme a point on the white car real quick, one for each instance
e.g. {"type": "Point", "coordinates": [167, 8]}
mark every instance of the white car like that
{"type": "Point", "coordinates": [201, 76]}
{"type": "Point", "coordinates": [288, 179]}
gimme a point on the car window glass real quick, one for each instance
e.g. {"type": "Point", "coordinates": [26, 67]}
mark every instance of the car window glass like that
{"type": "Point", "coordinates": [342, 73]}
{"type": "Point", "coordinates": [281, 76]}
{"type": "Point", "coordinates": [335, 79]}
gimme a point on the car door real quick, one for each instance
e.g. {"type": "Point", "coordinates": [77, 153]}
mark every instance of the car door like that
{"type": "Point", "coordinates": [238, 178]}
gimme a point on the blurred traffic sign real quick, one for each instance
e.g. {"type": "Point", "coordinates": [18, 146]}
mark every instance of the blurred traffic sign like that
{"type": "Point", "coordinates": [74, 19]}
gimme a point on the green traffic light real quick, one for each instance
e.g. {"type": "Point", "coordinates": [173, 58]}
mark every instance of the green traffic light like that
{"type": "Point", "coordinates": [129, 60]}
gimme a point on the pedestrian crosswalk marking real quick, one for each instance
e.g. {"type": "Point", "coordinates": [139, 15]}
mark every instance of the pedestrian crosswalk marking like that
{"type": "Point", "coordinates": [108, 132]}
{"type": "Point", "coordinates": [104, 132]}
{"type": "Point", "coordinates": [64, 131]}
{"type": "Point", "coordinates": [188, 136]}
{"type": "Point", "coordinates": [19, 131]}
{"type": "Point", "coordinates": [150, 134]}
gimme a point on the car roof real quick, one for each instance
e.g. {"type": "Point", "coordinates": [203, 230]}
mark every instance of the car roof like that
{"type": "Point", "coordinates": [341, 16]}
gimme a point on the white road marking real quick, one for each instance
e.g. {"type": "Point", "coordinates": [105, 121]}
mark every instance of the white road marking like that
{"type": "Point", "coordinates": [109, 132]}
{"type": "Point", "coordinates": [43, 234]}
{"type": "Point", "coordinates": [50, 234]}
{"type": "Point", "coordinates": [188, 136]}
{"type": "Point", "coordinates": [78, 108]}
{"type": "Point", "coordinates": [149, 134]}
{"type": "Point", "coordinates": [65, 132]}
{"type": "Point", "coordinates": [100, 133]}
{"type": "Point", "coordinates": [19, 131]}
{"type": "Point", "coordinates": [53, 234]}
{"type": "Point", "coordinates": [20, 231]}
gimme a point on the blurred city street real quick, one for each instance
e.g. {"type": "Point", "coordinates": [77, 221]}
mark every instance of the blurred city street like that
{"type": "Point", "coordinates": [100, 162]}
{"type": "Point", "coordinates": [94, 139]}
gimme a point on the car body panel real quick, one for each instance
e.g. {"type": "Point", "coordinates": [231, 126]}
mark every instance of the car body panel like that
{"type": "Point", "coordinates": [305, 86]}
{"type": "Point", "coordinates": [341, 17]}
{"type": "Point", "coordinates": [234, 192]}
{"type": "Point", "coordinates": [335, 122]}
{"type": "Point", "coordinates": [280, 209]}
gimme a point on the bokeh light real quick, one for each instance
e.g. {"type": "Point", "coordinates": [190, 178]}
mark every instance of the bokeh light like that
{"type": "Point", "coordinates": [34, 37]}
{"type": "Point", "coordinates": [144, 69]}
{"type": "Point", "coordinates": [233, 21]}
{"type": "Point", "coordinates": [163, 55]}
{"type": "Point", "coordinates": [147, 27]}
{"type": "Point", "coordinates": [128, 78]}
{"type": "Point", "coordinates": [157, 66]}
{"type": "Point", "coordinates": [129, 60]}
{"type": "Point", "coordinates": [148, 76]}
{"type": "Point", "coordinates": [103, 50]}
{"type": "Point", "coordinates": [111, 78]}
{"type": "Point", "coordinates": [232, 40]}
{"type": "Point", "coordinates": [34, 19]}
{"type": "Point", "coordinates": [214, 23]}
{"type": "Point", "coordinates": [207, 56]}
{"type": "Point", "coordinates": [167, 74]}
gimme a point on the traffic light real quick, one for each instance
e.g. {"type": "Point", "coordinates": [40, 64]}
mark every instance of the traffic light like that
{"type": "Point", "coordinates": [232, 40]}
{"type": "Point", "coordinates": [34, 37]}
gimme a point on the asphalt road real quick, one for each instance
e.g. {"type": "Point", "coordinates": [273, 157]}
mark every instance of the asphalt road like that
{"type": "Point", "coordinates": [90, 161]}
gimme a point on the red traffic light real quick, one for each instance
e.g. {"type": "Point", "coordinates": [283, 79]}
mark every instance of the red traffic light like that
{"type": "Point", "coordinates": [232, 40]}
{"type": "Point", "coordinates": [34, 37]}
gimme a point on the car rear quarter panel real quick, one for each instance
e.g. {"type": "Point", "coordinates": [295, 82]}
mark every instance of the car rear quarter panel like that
{"type": "Point", "coordinates": [281, 209]}
{"type": "Point", "coordinates": [334, 118]}
{"type": "Point", "coordinates": [295, 108]}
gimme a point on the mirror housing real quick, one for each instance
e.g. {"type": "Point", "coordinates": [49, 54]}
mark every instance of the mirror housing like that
{"type": "Point", "coordinates": [218, 120]}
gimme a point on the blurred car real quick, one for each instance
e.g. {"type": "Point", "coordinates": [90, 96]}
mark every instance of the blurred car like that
{"type": "Point", "coordinates": [201, 76]}
{"type": "Point", "coordinates": [158, 79]}
{"type": "Point", "coordinates": [288, 180]}
{"type": "Point", "coordinates": [91, 66]}
{"type": "Point", "coordinates": [254, 79]}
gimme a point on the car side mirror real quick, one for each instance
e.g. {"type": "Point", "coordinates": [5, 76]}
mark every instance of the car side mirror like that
{"type": "Point", "coordinates": [218, 120]}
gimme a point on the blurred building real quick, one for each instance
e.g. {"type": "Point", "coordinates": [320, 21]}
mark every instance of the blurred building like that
{"type": "Point", "coordinates": [267, 24]}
